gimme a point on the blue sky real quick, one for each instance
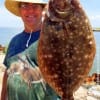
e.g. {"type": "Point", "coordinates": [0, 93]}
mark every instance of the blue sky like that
{"type": "Point", "coordinates": [92, 8]}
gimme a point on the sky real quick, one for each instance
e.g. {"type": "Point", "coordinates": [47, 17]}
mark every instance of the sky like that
{"type": "Point", "coordinates": [91, 7]}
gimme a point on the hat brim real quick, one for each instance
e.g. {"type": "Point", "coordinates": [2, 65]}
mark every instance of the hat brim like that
{"type": "Point", "coordinates": [13, 6]}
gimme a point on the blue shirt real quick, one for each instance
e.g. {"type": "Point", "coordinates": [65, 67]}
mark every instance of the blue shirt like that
{"type": "Point", "coordinates": [19, 42]}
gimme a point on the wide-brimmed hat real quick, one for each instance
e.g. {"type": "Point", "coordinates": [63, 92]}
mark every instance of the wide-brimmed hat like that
{"type": "Point", "coordinates": [13, 5]}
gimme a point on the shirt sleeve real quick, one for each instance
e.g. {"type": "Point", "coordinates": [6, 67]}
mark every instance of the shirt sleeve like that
{"type": "Point", "coordinates": [10, 52]}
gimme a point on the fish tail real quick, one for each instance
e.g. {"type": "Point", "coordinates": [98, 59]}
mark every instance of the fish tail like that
{"type": "Point", "coordinates": [67, 96]}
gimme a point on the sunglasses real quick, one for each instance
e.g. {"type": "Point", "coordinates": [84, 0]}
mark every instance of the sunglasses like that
{"type": "Point", "coordinates": [27, 6]}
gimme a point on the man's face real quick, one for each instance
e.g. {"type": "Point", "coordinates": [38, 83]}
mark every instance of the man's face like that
{"type": "Point", "coordinates": [30, 13]}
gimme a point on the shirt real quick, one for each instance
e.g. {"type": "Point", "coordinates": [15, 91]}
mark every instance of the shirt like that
{"type": "Point", "coordinates": [20, 42]}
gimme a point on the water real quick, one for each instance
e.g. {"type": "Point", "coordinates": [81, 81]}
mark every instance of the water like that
{"type": "Point", "coordinates": [96, 64]}
{"type": "Point", "coordinates": [7, 33]}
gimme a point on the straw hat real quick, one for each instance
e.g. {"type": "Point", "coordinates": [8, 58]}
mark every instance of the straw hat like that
{"type": "Point", "coordinates": [12, 5]}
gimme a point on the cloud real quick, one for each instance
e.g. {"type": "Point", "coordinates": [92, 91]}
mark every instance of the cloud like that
{"type": "Point", "coordinates": [95, 17]}
{"type": "Point", "coordinates": [95, 20]}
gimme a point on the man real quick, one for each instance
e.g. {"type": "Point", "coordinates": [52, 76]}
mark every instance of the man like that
{"type": "Point", "coordinates": [31, 13]}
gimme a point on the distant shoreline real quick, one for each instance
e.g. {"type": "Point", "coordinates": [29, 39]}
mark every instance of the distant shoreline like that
{"type": "Point", "coordinates": [96, 30]}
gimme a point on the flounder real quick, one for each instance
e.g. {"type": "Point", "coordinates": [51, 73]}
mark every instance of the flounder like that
{"type": "Point", "coordinates": [66, 47]}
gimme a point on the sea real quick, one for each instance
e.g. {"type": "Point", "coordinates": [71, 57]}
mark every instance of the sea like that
{"type": "Point", "coordinates": [7, 33]}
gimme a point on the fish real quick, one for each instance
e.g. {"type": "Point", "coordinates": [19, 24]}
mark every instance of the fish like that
{"type": "Point", "coordinates": [67, 47]}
